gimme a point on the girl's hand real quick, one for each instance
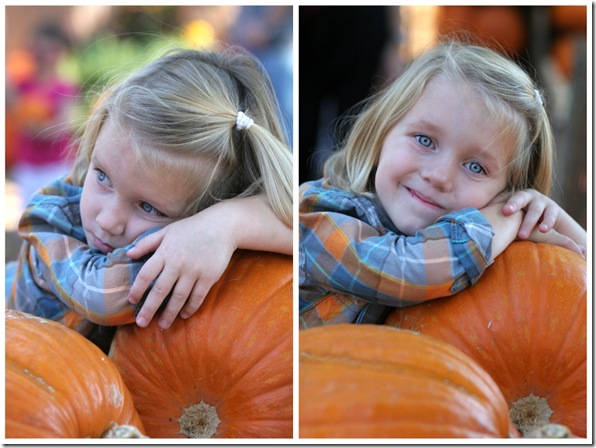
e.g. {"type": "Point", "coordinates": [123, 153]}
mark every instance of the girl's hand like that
{"type": "Point", "coordinates": [190, 256]}
{"type": "Point", "coordinates": [538, 209]}
{"type": "Point", "coordinates": [541, 209]}
{"type": "Point", "coordinates": [553, 237]}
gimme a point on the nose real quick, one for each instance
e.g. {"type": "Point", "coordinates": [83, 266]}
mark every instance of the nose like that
{"type": "Point", "coordinates": [440, 173]}
{"type": "Point", "coordinates": [111, 218]}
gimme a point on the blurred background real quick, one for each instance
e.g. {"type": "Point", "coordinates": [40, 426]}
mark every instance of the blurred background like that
{"type": "Point", "coordinates": [348, 52]}
{"type": "Point", "coordinates": [58, 56]}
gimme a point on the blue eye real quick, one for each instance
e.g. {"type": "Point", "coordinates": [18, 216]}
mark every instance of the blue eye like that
{"type": "Point", "coordinates": [424, 140]}
{"type": "Point", "coordinates": [149, 209]}
{"type": "Point", "coordinates": [475, 167]}
{"type": "Point", "coordinates": [101, 176]}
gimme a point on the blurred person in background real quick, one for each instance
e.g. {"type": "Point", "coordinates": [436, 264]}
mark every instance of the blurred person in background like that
{"type": "Point", "coordinates": [38, 105]}
{"type": "Point", "coordinates": [267, 32]}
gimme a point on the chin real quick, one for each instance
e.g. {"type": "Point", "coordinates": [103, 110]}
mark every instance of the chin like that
{"type": "Point", "coordinates": [410, 228]}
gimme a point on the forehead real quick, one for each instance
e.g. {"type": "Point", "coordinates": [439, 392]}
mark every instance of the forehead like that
{"type": "Point", "coordinates": [456, 109]}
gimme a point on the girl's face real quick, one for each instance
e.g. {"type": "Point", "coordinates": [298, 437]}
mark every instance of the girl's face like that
{"type": "Point", "coordinates": [122, 198]}
{"type": "Point", "coordinates": [446, 153]}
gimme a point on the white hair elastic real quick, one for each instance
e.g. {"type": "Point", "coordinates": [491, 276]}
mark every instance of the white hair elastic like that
{"type": "Point", "coordinates": [538, 97]}
{"type": "Point", "coordinates": [243, 121]}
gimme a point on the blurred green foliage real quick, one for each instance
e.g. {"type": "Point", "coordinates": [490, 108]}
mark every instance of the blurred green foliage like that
{"type": "Point", "coordinates": [109, 57]}
{"type": "Point", "coordinates": [137, 35]}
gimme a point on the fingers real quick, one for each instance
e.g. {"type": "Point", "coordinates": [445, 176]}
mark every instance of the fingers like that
{"type": "Point", "coordinates": [186, 298]}
{"type": "Point", "coordinates": [531, 218]}
{"type": "Point", "coordinates": [568, 243]}
{"type": "Point", "coordinates": [557, 239]}
{"type": "Point", "coordinates": [149, 272]}
{"type": "Point", "coordinates": [197, 297]}
{"type": "Point", "coordinates": [179, 297]}
{"type": "Point", "coordinates": [164, 284]}
{"type": "Point", "coordinates": [549, 219]}
{"type": "Point", "coordinates": [146, 245]}
{"type": "Point", "coordinates": [517, 202]}
{"type": "Point", "coordinates": [539, 211]}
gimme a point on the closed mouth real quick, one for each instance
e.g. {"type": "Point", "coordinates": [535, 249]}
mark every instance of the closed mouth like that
{"type": "Point", "coordinates": [424, 199]}
{"type": "Point", "coordinates": [99, 244]}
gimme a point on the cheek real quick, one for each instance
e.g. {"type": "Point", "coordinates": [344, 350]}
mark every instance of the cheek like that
{"type": "Point", "coordinates": [86, 206]}
{"type": "Point", "coordinates": [479, 196]}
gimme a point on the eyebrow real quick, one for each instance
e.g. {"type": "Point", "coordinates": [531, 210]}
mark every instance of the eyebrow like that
{"type": "Point", "coordinates": [483, 152]}
{"type": "Point", "coordinates": [163, 208]}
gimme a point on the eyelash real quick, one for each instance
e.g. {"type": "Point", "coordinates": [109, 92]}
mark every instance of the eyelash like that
{"type": "Point", "coordinates": [153, 210]}
{"type": "Point", "coordinates": [420, 137]}
{"type": "Point", "coordinates": [482, 169]}
{"type": "Point", "coordinates": [102, 177]}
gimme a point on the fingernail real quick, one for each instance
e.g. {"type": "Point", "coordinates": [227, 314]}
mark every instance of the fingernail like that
{"type": "Point", "coordinates": [163, 325]}
{"type": "Point", "coordinates": [141, 322]}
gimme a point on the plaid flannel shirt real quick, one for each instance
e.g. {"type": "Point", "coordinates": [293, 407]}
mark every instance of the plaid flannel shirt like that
{"type": "Point", "coordinates": [58, 276]}
{"type": "Point", "coordinates": [355, 265]}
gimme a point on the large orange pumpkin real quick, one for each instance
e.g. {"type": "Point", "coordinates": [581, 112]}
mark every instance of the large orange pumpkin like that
{"type": "Point", "coordinates": [227, 370]}
{"type": "Point", "coordinates": [365, 381]}
{"type": "Point", "coordinates": [58, 384]}
{"type": "Point", "coordinates": [524, 322]}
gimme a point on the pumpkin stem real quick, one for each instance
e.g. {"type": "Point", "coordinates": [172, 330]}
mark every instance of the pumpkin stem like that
{"type": "Point", "coordinates": [199, 421]}
{"type": "Point", "coordinates": [552, 431]}
{"type": "Point", "coordinates": [529, 413]}
{"type": "Point", "coordinates": [123, 432]}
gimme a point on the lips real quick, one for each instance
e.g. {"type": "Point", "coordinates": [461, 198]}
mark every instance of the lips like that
{"type": "Point", "coordinates": [425, 200]}
{"type": "Point", "coordinates": [99, 244]}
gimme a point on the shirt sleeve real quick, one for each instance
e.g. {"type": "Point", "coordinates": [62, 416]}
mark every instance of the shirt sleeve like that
{"type": "Point", "coordinates": [344, 254]}
{"type": "Point", "coordinates": [93, 284]}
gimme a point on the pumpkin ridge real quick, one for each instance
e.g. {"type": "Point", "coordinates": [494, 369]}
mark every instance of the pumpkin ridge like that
{"type": "Point", "coordinates": [401, 370]}
{"type": "Point", "coordinates": [262, 358]}
{"type": "Point", "coordinates": [335, 388]}
{"type": "Point", "coordinates": [234, 353]}
{"type": "Point", "coordinates": [67, 403]}
{"type": "Point", "coordinates": [534, 296]}
{"type": "Point", "coordinates": [396, 363]}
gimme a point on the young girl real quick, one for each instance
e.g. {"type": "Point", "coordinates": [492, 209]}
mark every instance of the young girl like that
{"type": "Point", "coordinates": [440, 172]}
{"type": "Point", "coordinates": [185, 158]}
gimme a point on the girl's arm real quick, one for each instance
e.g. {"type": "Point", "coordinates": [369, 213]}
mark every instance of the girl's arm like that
{"type": "Point", "coordinates": [344, 254]}
{"type": "Point", "coordinates": [192, 254]}
{"type": "Point", "coordinates": [505, 227]}
{"type": "Point", "coordinates": [57, 264]}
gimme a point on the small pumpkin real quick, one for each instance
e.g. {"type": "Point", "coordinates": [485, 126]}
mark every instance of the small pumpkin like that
{"type": "Point", "coordinates": [524, 322]}
{"type": "Point", "coordinates": [369, 381]}
{"type": "Point", "coordinates": [227, 370]}
{"type": "Point", "coordinates": [58, 384]}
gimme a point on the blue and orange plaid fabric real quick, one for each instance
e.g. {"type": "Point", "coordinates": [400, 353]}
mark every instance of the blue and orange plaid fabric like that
{"type": "Point", "coordinates": [355, 265]}
{"type": "Point", "coordinates": [58, 274]}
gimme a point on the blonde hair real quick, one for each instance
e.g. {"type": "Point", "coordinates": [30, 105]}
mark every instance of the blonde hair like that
{"type": "Point", "coordinates": [185, 105]}
{"type": "Point", "coordinates": [508, 93]}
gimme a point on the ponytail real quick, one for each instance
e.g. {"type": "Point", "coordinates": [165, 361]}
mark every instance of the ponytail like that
{"type": "Point", "coordinates": [268, 164]}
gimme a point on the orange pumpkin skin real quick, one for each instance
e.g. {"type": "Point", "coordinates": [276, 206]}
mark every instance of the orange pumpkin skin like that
{"type": "Point", "coordinates": [524, 322]}
{"type": "Point", "coordinates": [234, 354]}
{"type": "Point", "coordinates": [371, 381]}
{"type": "Point", "coordinates": [58, 384]}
